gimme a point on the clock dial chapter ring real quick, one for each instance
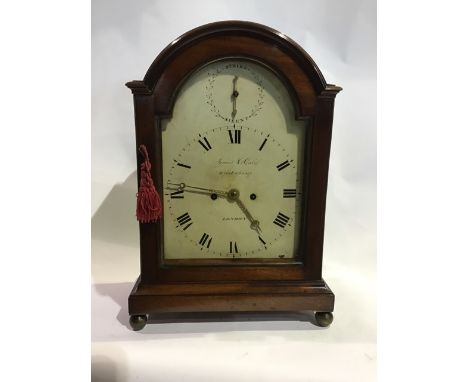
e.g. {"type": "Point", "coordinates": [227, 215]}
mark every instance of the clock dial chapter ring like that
{"type": "Point", "coordinates": [238, 224]}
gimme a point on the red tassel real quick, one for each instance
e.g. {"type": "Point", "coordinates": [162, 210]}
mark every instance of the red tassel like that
{"type": "Point", "coordinates": [148, 201]}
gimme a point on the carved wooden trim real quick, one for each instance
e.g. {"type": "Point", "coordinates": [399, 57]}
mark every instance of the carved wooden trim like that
{"type": "Point", "coordinates": [138, 87]}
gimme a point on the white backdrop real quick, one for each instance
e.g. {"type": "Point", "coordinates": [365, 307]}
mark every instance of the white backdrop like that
{"type": "Point", "coordinates": [341, 38]}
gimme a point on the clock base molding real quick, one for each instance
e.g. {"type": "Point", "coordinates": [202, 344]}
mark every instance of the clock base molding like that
{"type": "Point", "coordinates": [264, 296]}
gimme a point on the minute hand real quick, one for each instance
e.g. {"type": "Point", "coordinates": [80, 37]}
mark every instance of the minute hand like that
{"type": "Point", "coordinates": [183, 186]}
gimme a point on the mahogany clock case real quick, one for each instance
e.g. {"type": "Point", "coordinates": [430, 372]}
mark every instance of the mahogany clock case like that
{"type": "Point", "coordinates": [229, 286]}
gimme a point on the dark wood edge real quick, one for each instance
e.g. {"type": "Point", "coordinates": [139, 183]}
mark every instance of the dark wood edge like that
{"type": "Point", "coordinates": [317, 185]}
{"type": "Point", "coordinates": [227, 288]}
{"type": "Point", "coordinates": [240, 297]}
{"type": "Point", "coordinates": [222, 27]}
{"type": "Point", "coordinates": [233, 287]}
{"type": "Point", "coordinates": [149, 305]}
{"type": "Point", "coordinates": [244, 272]}
{"type": "Point", "coordinates": [138, 87]}
{"type": "Point", "coordinates": [235, 261]}
{"type": "Point", "coordinates": [330, 91]}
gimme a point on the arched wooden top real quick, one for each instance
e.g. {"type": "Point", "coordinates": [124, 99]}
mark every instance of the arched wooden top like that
{"type": "Point", "coordinates": [234, 39]}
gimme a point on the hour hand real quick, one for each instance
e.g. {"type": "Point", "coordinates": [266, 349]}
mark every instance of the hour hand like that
{"type": "Point", "coordinates": [254, 223]}
{"type": "Point", "coordinates": [233, 195]}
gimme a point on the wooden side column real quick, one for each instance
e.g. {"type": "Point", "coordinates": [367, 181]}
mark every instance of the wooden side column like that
{"type": "Point", "coordinates": [320, 136]}
{"type": "Point", "coordinates": [146, 133]}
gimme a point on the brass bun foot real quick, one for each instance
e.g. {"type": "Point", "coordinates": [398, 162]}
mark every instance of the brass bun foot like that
{"type": "Point", "coordinates": [323, 319]}
{"type": "Point", "coordinates": [138, 322]}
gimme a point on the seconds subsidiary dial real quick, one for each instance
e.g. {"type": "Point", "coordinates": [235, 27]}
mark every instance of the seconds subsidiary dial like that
{"type": "Point", "coordinates": [234, 91]}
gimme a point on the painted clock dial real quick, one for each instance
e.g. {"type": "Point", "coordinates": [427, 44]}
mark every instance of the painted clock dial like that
{"type": "Point", "coordinates": [232, 166]}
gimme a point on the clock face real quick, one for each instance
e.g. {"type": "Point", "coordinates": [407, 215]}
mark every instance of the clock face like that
{"type": "Point", "coordinates": [232, 166]}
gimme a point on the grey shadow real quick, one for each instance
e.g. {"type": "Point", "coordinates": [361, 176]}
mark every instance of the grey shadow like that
{"type": "Point", "coordinates": [115, 220]}
{"type": "Point", "coordinates": [119, 292]}
{"type": "Point", "coordinates": [229, 326]}
{"type": "Point", "coordinates": [270, 320]}
{"type": "Point", "coordinates": [103, 369]}
{"type": "Point", "coordinates": [111, 367]}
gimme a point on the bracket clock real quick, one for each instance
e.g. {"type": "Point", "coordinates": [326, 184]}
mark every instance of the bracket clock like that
{"type": "Point", "coordinates": [234, 123]}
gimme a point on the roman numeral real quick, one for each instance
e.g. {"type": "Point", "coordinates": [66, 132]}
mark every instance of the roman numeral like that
{"type": "Point", "coordinates": [233, 247]}
{"type": "Point", "coordinates": [177, 194]}
{"type": "Point", "coordinates": [204, 240]}
{"type": "Point", "coordinates": [185, 220]}
{"type": "Point", "coordinates": [289, 193]}
{"type": "Point", "coordinates": [281, 220]}
{"type": "Point", "coordinates": [283, 165]}
{"type": "Point", "coordinates": [263, 144]}
{"type": "Point", "coordinates": [183, 165]}
{"type": "Point", "coordinates": [235, 136]}
{"type": "Point", "coordinates": [205, 144]}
